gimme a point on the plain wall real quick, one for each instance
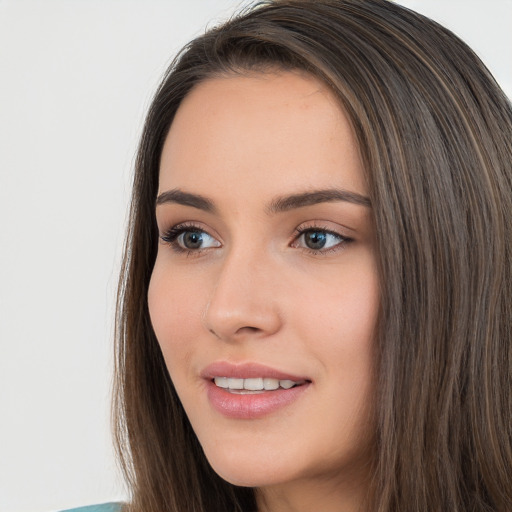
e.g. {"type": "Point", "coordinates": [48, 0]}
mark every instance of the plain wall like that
{"type": "Point", "coordinates": [76, 77]}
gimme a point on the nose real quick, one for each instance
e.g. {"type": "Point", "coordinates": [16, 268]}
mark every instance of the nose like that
{"type": "Point", "coordinates": [243, 302]}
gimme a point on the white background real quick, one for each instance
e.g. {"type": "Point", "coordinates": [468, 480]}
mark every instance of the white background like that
{"type": "Point", "coordinates": [76, 77]}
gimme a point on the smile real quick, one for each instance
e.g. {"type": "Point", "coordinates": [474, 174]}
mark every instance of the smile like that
{"type": "Point", "coordinates": [248, 391]}
{"type": "Point", "coordinates": [254, 385]}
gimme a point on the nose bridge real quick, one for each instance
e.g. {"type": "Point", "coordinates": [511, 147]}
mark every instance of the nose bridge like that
{"type": "Point", "coordinates": [242, 299]}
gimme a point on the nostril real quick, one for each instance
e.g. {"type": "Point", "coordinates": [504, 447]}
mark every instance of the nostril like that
{"type": "Point", "coordinates": [249, 329]}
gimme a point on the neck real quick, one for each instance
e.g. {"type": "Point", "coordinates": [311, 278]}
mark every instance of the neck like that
{"type": "Point", "coordinates": [330, 495]}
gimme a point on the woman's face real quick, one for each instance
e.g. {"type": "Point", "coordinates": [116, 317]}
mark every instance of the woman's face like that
{"type": "Point", "coordinates": [266, 277]}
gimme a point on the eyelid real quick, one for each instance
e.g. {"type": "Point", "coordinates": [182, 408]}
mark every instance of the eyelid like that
{"type": "Point", "coordinates": [320, 227]}
{"type": "Point", "coordinates": [171, 235]}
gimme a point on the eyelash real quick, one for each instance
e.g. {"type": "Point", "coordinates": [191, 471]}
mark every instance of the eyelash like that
{"type": "Point", "coordinates": [170, 237]}
{"type": "Point", "coordinates": [342, 240]}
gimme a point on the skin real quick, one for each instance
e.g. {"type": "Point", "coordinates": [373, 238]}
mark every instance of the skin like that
{"type": "Point", "coordinates": [257, 292]}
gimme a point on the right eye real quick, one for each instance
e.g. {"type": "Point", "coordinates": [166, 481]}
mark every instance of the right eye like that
{"type": "Point", "coordinates": [189, 239]}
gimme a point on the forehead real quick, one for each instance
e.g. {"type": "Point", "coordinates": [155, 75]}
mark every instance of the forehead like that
{"type": "Point", "coordinates": [275, 130]}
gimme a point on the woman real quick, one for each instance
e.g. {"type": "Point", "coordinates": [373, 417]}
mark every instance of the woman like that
{"type": "Point", "coordinates": [314, 311]}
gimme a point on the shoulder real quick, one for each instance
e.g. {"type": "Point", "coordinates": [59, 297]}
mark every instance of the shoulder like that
{"type": "Point", "coordinates": [104, 507]}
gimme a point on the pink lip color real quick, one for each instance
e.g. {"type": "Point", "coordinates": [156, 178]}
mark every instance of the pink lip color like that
{"type": "Point", "coordinates": [250, 406]}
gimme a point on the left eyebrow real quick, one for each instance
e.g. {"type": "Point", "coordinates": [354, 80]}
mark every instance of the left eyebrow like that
{"type": "Point", "coordinates": [186, 199]}
{"type": "Point", "coordinates": [286, 203]}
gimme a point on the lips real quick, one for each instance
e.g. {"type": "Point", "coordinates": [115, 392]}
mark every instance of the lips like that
{"type": "Point", "coordinates": [247, 371]}
{"type": "Point", "coordinates": [255, 384]}
{"type": "Point", "coordinates": [250, 390]}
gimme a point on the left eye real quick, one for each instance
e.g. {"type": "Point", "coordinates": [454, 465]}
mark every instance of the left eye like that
{"type": "Point", "coordinates": [317, 239]}
{"type": "Point", "coordinates": [190, 239]}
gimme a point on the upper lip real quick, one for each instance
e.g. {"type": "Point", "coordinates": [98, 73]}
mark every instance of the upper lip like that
{"type": "Point", "coordinates": [247, 371]}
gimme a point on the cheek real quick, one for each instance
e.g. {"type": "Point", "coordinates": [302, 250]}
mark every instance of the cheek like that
{"type": "Point", "coordinates": [175, 307]}
{"type": "Point", "coordinates": [343, 308]}
{"type": "Point", "coordinates": [339, 323]}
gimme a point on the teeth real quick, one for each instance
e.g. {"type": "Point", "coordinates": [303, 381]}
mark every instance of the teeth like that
{"type": "Point", "coordinates": [270, 383]}
{"type": "Point", "coordinates": [254, 384]}
{"type": "Point", "coordinates": [222, 382]}
{"type": "Point", "coordinates": [236, 383]}
{"type": "Point", "coordinates": [286, 384]}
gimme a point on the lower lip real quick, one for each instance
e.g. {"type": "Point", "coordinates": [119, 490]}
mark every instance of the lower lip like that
{"type": "Point", "coordinates": [252, 406]}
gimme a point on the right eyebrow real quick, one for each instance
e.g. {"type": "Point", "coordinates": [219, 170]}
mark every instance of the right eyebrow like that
{"type": "Point", "coordinates": [308, 198]}
{"type": "Point", "coordinates": [178, 196]}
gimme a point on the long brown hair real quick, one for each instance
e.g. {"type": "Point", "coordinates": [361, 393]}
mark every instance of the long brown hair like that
{"type": "Point", "coordinates": [435, 135]}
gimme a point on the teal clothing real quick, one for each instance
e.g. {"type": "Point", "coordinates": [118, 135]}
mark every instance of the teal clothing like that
{"type": "Point", "coordinates": [104, 507]}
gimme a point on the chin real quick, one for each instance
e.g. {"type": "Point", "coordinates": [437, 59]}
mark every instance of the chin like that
{"type": "Point", "coordinates": [253, 461]}
{"type": "Point", "coordinates": [245, 468]}
{"type": "Point", "coordinates": [244, 476]}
